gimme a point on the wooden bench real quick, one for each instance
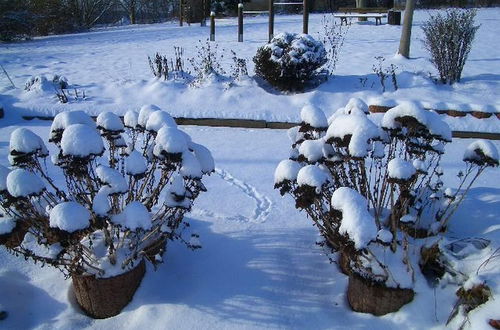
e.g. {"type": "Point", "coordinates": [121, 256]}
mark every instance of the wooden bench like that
{"type": "Point", "coordinates": [377, 12]}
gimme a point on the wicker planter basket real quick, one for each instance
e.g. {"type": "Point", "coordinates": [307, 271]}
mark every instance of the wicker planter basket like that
{"type": "Point", "coordinates": [366, 296]}
{"type": "Point", "coordinates": [101, 298]}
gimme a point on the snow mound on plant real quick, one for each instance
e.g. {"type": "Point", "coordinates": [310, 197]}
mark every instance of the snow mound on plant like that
{"type": "Point", "coordinates": [114, 180]}
{"type": "Point", "coordinates": [4, 172]}
{"type": "Point", "coordinates": [478, 150]}
{"type": "Point", "coordinates": [109, 121]}
{"type": "Point", "coordinates": [7, 224]}
{"type": "Point", "coordinates": [100, 204]}
{"type": "Point", "coordinates": [312, 175]}
{"type": "Point", "coordinates": [286, 170]}
{"type": "Point", "coordinates": [131, 119]}
{"type": "Point", "coordinates": [158, 119]}
{"type": "Point", "coordinates": [191, 167]}
{"type": "Point", "coordinates": [357, 222]}
{"type": "Point", "coordinates": [313, 116]}
{"type": "Point", "coordinates": [356, 106]}
{"type": "Point", "coordinates": [400, 169]}
{"type": "Point", "coordinates": [429, 119]}
{"type": "Point", "coordinates": [65, 119]}
{"type": "Point", "coordinates": [312, 150]}
{"type": "Point", "coordinates": [134, 216]}
{"type": "Point", "coordinates": [23, 183]}
{"type": "Point", "coordinates": [80, 140]}
{"type": "Point", "coordinates": [171, 140]}
{"type": "Point", "coordinates": [22, 140]}
{"type": "Point", "coordinates": [69, 216]}
{"type": "Point", "coordinates": [146, 111]}
{"type": "Point", "coordinates": [204, 156]}
{"type": "Point", "coordinates": [135, 163]}
{"type": "Point", "coordinates": [360, 129]}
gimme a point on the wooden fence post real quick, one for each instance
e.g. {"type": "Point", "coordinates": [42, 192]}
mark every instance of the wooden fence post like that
{"type": "Point", "coordinates": [181, 14]}
{"type": "Point", "coordinates": [212, 26]}
{"type": "Point", "coordinates": [305, 23]}
{"type": "Point", "coordinates": [240, 22]}
{"type": "Point", "coordinates": [271, 19]}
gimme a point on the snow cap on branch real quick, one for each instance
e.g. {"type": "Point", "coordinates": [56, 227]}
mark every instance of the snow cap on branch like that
{"type": "Point", "coordinates": [69, 216]}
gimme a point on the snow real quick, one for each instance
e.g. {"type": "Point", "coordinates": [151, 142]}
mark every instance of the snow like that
{"type": "Point", "coordinates": [485, 147]}
{"type": "Point", "coordinates": [109, 121]}
{"type": "Point", "coordinates": [296, 48]}
{"type": "Point", "coordinates": [384, 236]}
{"type": "Point", "coordinates": [7, 224]}
{"type": "Point", "coordinates": [4, 172]}
{"type": "Point", "coordinates": [135, 163]}
{"type": "Point", "coordinates": [204, 157]}
{"type": "Point", "coordinates": [287, 170]}
{"type": "Point", "coordinates": [69, 216]}
{"type": "Point", "coordinates": [134, 216]}
{"type": "Point", "coordinates": [81, 141]}
{"type": "Point", "coordinates": [130, 119]}
{"type": "Point", "coordinates": [356, 106]}
{"type": "Point", "coordinates": [313, 116]}
{"type": "Point", "coordinates": [312, 175]}
{"type": "Point", "coordinates": [158, 119]}
{"type": "Point", "coordinates": [191, 167]}
{"type": "Point", "coordinates": [430, 120]}
{"type": "Point", "coordinates": [171, 140]}
{"type": "Point", "coordinates": [100, 204]}
{"type": "Point", "coordinates": [400, 169]}
{"type": "Point", "coordinates": [65, 119]}
{"type": "Point", "coordinates": [312, 150]}
{"type": "Point", "coordinates": [356, 222]}
{"type": "Point", "coordinates": [114, 181]}
{"type": "Point", "coordinates": [23, 183]}
{"type": "Point", "coordinates": [146, 111]}
{"type": "Point", "coordinates": [22, 140]}
{"type": "Point", "coordinates": [177, 186]}
{"type": "Point", "coordinates": [361, 129]}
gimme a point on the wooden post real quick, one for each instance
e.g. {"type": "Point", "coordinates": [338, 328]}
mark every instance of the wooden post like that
{"type": "Point", "coordinates": [240, 22]}
{"type": "Point", "coordinates": [212, 26]}
{"type": "Point", "coordinates": [271, 19]}
{"type": "Point", "coordinates": [204, 17]}
{"type": "Point", "coordinates": [181, 14]}
{"type": "Point", "coordinates": [305, 23]}
{"type": "Point", "coordinates": [404, 43]}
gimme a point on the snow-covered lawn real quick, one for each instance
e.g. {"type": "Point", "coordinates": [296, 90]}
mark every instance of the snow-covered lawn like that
{"type": "Point", "coordinates": [259, 266]}
{"type": "Point", "coordinates": [111, 66]}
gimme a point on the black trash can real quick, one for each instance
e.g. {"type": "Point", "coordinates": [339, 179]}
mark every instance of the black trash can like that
{"type": "Point", "coordinates": [394, 17]}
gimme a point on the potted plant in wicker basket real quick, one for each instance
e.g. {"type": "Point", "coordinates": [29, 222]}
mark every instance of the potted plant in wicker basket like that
{"type": "Point", "coordinates": [374, 191]}
{"type": "Point", "coordinates": [111, 197]}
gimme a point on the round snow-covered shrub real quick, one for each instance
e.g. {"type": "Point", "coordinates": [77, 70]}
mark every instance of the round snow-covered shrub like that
{"type": "Point", "coordinates": [290, 60]}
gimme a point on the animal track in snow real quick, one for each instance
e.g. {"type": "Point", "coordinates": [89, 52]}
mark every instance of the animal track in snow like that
{"type": "Point", "coordinates": [262, 203]}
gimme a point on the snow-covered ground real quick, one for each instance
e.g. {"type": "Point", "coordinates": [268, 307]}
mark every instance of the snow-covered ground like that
{"type": "Point", "coordinates": [111, 66]}
{"type": "Point", "coordinates": [259, 266]}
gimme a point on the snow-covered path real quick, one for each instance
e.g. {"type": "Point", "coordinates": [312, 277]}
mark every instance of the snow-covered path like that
{"type": "Point", "coordinates": [259, 266]}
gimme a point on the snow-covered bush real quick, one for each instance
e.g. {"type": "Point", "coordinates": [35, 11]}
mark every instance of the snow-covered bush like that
{"type": "Point", "coordinates": [289, 61]}
{"type": "Point", "coordinates": [119, 194]}
{"type": "Point", "coordinates": [449, 39]}
{"type": "Point", "coordinates": [46, 83]}
{"type": "Point", "coordinates": [373, 190]}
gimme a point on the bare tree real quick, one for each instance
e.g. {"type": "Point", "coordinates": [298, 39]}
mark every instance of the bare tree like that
{"type": "Point", "coordinates": [88, 12]}
{"type": "Point", "coordinates": [131, 7]}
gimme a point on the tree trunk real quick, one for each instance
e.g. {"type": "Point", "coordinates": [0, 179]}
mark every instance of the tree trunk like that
{"type": "Point", "coordinates": [404, 44]}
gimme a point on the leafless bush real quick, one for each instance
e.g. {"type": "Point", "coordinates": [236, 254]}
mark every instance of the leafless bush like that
{"type": "Point", "coordinates": [206, 63]}
{"type": "Point", "coordinates": [449, 39]}
{"type": "Point", "coordinates": [333, 39]}
{"type": "Point", "coordinates": [163, 67]}
{"type": "Point", "coordinates": [383, 72]}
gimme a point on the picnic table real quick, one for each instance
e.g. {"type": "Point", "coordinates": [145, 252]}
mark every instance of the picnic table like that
{"type": "Point", "coordinates": [377, 13]}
